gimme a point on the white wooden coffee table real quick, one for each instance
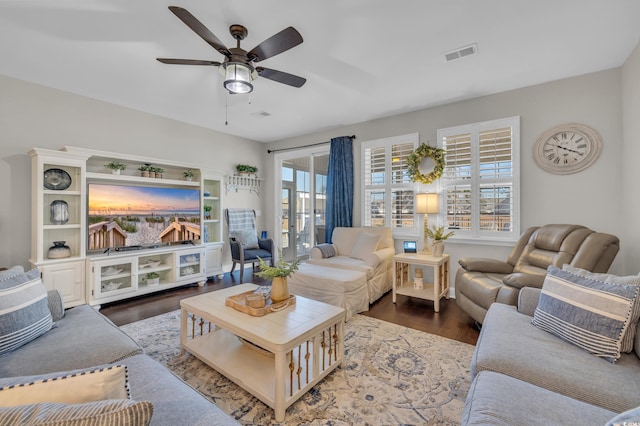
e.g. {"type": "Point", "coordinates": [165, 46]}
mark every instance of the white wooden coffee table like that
{"type": "Point", "coordinates": [302, 344]}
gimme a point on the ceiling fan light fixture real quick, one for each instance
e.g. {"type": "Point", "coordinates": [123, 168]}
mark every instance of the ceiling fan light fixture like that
{"type": "Point", "coordinates": [238, 78]}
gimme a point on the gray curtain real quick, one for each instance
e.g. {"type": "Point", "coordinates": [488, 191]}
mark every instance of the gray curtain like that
{"type": "Point", "coordinates": [339, 185]}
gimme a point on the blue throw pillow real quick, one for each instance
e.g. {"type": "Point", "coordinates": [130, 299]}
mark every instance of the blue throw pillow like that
{"type": "Point", "coordinates": [327, 250]}
{"type": "Point", "coordinates": [24, 310]}
{"type": "Point", "coordinates": [591, 314]}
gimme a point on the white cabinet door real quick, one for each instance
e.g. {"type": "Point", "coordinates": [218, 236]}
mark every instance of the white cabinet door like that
{"type": "Point", "coordinates": [190, 265]}
{"type": "Point", "coordinates": [68, 278]}
{"type": "Point", "coordinates": [111, 278]}
{"type": "Point", "coordinates": [213, 260]}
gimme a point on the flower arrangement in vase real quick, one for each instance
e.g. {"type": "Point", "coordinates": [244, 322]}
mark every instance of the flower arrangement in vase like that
{"type": "Point", "coordinates": [116, 166]}
{"type": "Point", "coordinates": [278, 274]}
{"type": "Point", "coordinates": [156, 172]}
{"type": "Point", "coordinates": [152, 278]}
{"type": "Point", "coordinates": [188, 175]}
{"type": "Point", "coordinates": [207, 211]}
{"type": "Point", "coordinates": [144, 170]}
{"type": "Point", "coordinates": [437, 234]}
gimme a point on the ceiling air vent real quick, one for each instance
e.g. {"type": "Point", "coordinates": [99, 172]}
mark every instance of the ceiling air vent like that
{"type": "Point", "coordinates": [461, 52]}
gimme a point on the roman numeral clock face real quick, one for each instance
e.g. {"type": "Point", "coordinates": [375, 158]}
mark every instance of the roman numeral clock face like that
{"type": "Point", "coordinates": [566, 149]}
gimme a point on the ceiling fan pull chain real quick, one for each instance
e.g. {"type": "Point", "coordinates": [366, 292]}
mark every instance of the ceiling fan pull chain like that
{"type": "Point", "coordinates": [226, 109]}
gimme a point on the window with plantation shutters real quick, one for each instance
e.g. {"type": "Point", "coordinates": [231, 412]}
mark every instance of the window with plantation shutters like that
{"type": "Point", "coordinates": [387, 190]}
{"type": "Point", "coordinates": [480, 182]}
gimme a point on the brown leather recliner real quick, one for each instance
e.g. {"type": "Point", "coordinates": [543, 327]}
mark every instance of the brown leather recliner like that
{"type": "Point", "coordinates": [480, 282]}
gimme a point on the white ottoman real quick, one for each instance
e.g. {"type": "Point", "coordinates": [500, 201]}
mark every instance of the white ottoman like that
{"type": "Point", "coordinates": [339, 287]}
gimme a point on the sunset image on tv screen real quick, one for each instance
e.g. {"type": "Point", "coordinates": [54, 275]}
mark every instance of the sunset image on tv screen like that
{"type": "Point", "coordinates": [138, 215]}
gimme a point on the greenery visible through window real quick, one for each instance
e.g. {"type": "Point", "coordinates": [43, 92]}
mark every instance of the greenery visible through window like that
{"type": "Point", "coordinates": [387, 190]}
{"type": "Point", "coordinates": [480, 182]}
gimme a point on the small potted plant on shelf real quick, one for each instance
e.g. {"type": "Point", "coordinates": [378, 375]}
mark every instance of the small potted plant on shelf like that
{"type": "Point", "coordinates": [144, 170]}
{"type": "Point", "coordinates": [437, 234]}
{"type": "Point", "coordinates": [207, 211]}
{"type": "Point", "coordinates": [159, 172]}
{"type": "Point", "coordinates": [188, 175]}
{"type": "Point", "coordinates": [152, 278]}
{"type": "Point", "coordinates": [278, 275]}
{"type": "Point", "coordinates": [244, 169]}
{"type": "Point", "coordinates": [116, 167]}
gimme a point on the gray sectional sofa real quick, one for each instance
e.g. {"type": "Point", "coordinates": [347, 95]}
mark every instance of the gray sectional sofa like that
{"type": "Point", "coordinates": [84, 338]}
{"type": "Point", "coordinates": [523, 375]}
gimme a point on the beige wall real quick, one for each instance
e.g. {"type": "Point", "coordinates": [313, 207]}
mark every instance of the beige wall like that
{"type": "Point", "coordinates": [609, 101]}
{"type": "Point", "coordinates": [589, 198]}
{"type": "Point", "coordinates": [630, 192]}
{"type": "Point", "coordinates": [36, 116]}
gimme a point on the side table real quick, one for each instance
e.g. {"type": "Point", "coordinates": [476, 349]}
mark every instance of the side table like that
{"type": "Point", "coordinates": [431, 291]}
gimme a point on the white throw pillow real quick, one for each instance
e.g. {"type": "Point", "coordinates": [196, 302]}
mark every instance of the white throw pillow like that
{"type": "Point", "coordinates": [365, 244]}
{"type": "Point", "coordinates": [72, 388]}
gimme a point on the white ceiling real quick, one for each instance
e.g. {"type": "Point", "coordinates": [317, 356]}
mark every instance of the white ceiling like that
{"type": "Point", "coordinates": [363, 59]}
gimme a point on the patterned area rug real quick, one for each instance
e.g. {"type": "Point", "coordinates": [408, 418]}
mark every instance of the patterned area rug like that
{"type": "Point", "coordinates": [391, 375]}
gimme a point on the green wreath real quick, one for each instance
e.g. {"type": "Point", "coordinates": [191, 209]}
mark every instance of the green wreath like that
{"type": "Point", "coordinates": [416, 157]}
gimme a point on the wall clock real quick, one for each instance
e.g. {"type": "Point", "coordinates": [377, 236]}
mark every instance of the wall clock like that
{"type": "Point", "coordinates": [567, 148]}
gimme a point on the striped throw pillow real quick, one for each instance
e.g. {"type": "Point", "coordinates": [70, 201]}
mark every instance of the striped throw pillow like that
{"type": "Point", "coordinates": [123, 412]}
{"type": "Point", "coordinates": [629, 335]}
{"type": "Point", "coordinates": [590, 314]}
{"type": "Point", "coordinates": [24, 311]}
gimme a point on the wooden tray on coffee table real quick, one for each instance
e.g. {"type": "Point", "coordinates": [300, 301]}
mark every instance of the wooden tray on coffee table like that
{"type": "Point", "coordinates": [238, 302]}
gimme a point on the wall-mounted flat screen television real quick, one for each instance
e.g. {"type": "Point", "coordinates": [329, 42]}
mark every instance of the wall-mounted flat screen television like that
{"type": "Point", "coordinates": [141, 216]}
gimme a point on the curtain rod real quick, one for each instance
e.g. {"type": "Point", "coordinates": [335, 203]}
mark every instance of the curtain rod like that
{"type": "Point", "coordinates": [269, 151]}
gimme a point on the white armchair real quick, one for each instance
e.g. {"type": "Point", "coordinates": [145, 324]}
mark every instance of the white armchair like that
{"type": "Point", "coordinates": [366, 249]}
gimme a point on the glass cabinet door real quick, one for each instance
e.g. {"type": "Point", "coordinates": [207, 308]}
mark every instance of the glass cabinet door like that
{"type": "Point", "coordinates": [114, 278]}
{"type": "Point", "coordinates": [189, 264]}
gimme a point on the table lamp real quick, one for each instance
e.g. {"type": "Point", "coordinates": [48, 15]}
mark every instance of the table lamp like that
{"type": "Point", "coordinates": [426, 204]}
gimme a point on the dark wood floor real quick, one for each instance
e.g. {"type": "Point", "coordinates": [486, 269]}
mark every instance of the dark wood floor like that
{"type": "Point", "coordinates": [450, 322]}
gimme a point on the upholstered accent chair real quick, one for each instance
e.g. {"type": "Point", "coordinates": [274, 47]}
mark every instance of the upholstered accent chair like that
{"type": "Point", "coordinates": [246, 247]}
{"type": "Point", "coordinates": [480, 282]}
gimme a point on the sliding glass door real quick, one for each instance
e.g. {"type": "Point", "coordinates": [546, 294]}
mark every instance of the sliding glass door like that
{"type": "Point", "coordinates": [303, 179]}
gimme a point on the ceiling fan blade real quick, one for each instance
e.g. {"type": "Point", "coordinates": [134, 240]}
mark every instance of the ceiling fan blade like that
{"type": "Point", "coordinates": [278, 43]}
{"type": "Point", "coordinates": [187, 62]}
{"type": "Point", "coordinates": [281, 77]}
{"type": "Point", "coordinates": [199, 28]}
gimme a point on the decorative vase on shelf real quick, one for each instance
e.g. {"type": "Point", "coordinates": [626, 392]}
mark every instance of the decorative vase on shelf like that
{"type": "Point", "coordinates": [438, 248]}
{"type": "Point", "coordinates": [59, 250]}
{"type": "Point", "coordinates": [279, 289]}
{"type": "Point", "coordinates": [59, 210]}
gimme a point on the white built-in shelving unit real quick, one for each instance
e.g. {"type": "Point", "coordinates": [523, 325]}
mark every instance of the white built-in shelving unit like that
{"type": "Point", "coordinates": [97, 278]}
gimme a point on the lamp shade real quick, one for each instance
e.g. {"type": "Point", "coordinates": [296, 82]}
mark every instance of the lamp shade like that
{"type": "Point", "coordinates": [427, 203]}
{"type": "Point", "coordinates": [237, 78]}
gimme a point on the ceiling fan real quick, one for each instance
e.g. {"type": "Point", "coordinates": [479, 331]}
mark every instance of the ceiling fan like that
{"type": "Point", "coordinates": [238, 65]}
